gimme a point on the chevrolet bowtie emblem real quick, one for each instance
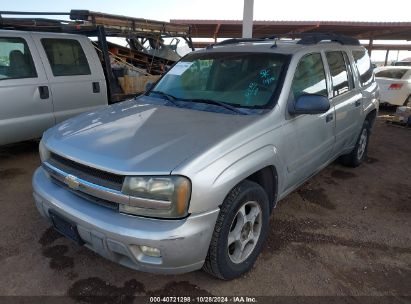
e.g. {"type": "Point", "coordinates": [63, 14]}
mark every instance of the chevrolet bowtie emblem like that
{"type": "Point", "coordinates": [72, 182]}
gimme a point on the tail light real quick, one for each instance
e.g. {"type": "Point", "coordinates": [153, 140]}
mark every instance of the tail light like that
{"type": "Point", "coordinates": [395, 86]}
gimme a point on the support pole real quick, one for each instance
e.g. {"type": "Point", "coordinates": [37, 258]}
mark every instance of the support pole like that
{"type": "Point", "coordinates": [112, 87]}
{"type": "Point", "coordinates": [386, 57]}
{"type": "Point", "coordinates": [370, 47]}
{"type": "Point", "coordinates": [248, 18]}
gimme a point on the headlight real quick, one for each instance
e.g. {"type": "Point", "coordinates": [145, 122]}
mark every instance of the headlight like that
{"type": "Point", "coordinates": [157, 196]}
{"type": "Point", "coordinates": [44, 153]}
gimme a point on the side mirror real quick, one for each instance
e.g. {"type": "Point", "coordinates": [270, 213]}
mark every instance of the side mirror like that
{"type": "Point", "coordinates": [149, 85]}
{"type": "Point", "coordinates": [310, 104]}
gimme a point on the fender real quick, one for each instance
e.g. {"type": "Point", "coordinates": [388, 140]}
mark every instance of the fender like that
{"type": "Point", "coordinates": [222, 178]}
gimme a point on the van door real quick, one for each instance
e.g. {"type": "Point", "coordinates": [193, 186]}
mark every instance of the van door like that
{"type": "Point", "coordinates": [26, 107]}
{"type": "Point", "coordinates": [76, 77]}
{"type": "Point", "coordinates": [310, 137]}
{"type": "Point", "coordinates": [346, 99]}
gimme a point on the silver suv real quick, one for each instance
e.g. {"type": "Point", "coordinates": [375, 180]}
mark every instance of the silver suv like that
{"type": "Point", "coordinates": [185, 176]}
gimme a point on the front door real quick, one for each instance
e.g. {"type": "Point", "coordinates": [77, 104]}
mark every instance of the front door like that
{"type": "Point", "coordinates": [310, 137]}
{"type": "Point", "coordinates": [26, 105]}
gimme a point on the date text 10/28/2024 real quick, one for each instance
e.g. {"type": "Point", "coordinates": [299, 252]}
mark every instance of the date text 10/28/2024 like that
{"type": "Point", "coordinates": [203, 299]}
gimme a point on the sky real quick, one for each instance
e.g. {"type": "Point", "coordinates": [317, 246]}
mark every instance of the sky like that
{"type": "Point", "coordinates": [290, 10]}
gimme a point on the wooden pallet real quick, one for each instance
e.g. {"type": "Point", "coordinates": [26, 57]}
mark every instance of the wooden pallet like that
{"type": "Point", "coordinates": [152, 64]}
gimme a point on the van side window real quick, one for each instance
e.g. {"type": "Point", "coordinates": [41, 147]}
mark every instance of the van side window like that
{"type": "Point", "coordinates": [15, 59]}
{"type": "Point", "coordinates": [338, 70]}
{"type": "Point", "coordinates": [309, 77]}
{"type": "Point", "coordinates": [66, 57]}
{"type": "Point", "coordinates": [363, 63]}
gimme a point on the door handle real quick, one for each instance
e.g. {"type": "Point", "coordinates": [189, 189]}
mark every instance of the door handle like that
{"type": "Point", "coordinates": [96, 87]}
{"type": "Point", "coordinates": [44, 92]}
{"type": "Point", "coordinates": [357, 103]}
{"type": "Point", "coordinates": [329, 117]}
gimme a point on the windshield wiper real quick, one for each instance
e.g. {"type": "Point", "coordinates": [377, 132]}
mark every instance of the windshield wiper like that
{"type": "Point", "coordinates": [219, 103]}
{"type": "Point", "coordinates": [222, 104]}
{"type": "Point", "coordinates": [168, 97]}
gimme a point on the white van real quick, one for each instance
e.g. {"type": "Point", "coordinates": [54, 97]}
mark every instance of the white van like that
{"type": "Point", "coordinates": [46, 78]}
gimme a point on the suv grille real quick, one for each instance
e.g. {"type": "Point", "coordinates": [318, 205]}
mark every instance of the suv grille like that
{"type": "Point", "coordinates": [93, 199]}
{"type": "Point", "coordinates": [95, 176]}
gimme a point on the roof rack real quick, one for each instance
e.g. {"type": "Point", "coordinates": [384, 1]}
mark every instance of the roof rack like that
{"type": "Point", "coordinates": [305, 39]}
{"type": "Point", "coordinates": [86, 22]}
{"type": "Point", "coordinates": [240, 40]}
{"type": "Point", "coordinates": [319, 37]}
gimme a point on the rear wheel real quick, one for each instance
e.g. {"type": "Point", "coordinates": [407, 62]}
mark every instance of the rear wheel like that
{"type": "Point", "coordinates": [407, 101]}
{"type": "Point", "coordinates": [239, 233]}
{"type": "Point", "coordinates": [358, 154]}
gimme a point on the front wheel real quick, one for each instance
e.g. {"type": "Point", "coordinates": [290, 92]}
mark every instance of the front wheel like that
{"type": "Point", "coordinates": [358, 154]}
{"type": "Point", "coordinates": [239, 232]}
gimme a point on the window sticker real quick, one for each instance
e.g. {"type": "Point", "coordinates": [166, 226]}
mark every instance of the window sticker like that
{"type": "Point", "coordinates": [252, 90]}
{"type": "Point", "coordinates": [266, 76]}
{"type": "Point", "coordinates": [180, 68]}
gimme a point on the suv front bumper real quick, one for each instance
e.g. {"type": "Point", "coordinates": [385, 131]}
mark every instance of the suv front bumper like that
{"type": "Point", "coordinates": [183, 244]}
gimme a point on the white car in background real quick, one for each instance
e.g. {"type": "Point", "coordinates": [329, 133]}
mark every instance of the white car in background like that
{"type": "Point", "coordinates": [395, 84]}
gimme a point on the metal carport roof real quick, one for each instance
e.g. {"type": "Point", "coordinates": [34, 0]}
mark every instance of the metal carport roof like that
{"type": "Point", "coordinates": [361, 30]}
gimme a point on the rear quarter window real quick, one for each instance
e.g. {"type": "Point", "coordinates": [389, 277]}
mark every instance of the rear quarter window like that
{"type": "Point", "coordinates": [66, 57]}
{"type": "Point", "coordinates": [403, 63]}
{"type": "Point", "coordinates": [364, 67]}
{"type": "Point", "coordinates": [392, 73]}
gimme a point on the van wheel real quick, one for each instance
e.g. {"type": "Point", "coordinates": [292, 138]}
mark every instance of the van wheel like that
{"type": "Point", "coordinates": [239, 233]}
{"type": "Point", "coordinates": [358, 154]}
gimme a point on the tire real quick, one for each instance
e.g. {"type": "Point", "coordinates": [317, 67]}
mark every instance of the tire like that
{"type": "Point", "coordinates": [359, 153]}
{"type": "Point", "coordinates": [246, 201]}
{"type": "Point", "coordinates": [407, 101]}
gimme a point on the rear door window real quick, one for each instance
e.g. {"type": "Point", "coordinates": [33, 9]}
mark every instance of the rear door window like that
{"type": "Point", "coordinates": [66, 57]}
{"type": "Point", "coordinates": [363, 63]}
{"type": "Point", "coordinates": [15, 59]}
{"type": "Point", "coordinates": [392, 73]}
{"type": "Point", "coordinates": [403, 63]}
{"type": "Point", "coordinates": [339, 74]}
{"type": "Point", "coordinates": [309, 77]}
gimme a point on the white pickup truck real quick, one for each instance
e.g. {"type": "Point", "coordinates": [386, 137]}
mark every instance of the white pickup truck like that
{"type": "Point", "coordinates": [46, 78]}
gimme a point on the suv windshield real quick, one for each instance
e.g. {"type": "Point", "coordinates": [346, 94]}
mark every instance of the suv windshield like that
{"type": "Point", "coordinates": [232, 80]}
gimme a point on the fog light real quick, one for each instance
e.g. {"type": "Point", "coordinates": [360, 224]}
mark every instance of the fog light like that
{"type": "Point", "coordinates": [150, 251]}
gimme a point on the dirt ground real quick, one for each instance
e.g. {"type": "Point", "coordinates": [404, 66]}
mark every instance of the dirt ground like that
{"type": "Point", "coordinates": [345, 232]}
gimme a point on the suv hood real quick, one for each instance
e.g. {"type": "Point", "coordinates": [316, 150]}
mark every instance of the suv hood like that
{"type": "Point", "coordinates": [136, 137]}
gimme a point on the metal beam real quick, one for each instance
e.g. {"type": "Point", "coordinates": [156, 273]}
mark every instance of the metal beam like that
{"type": "Point", "coordinates": [380, 33]}
{"type": "Point", "coordinates": [304, 29]}
{"type": "Point", "coordinates": [391, 47]}
{"type": "Point", "coordinates": [33, 13]}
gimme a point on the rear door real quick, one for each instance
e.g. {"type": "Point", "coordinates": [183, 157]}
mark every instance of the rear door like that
{"type": "Point", "coordinates": [26, 107]}
{"type": "Point", "coordinates": [76, 77]}
{"type": "Point", "coordinates": [346, 99]}
{"type": "Point", "coordinates": [365, 75]}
